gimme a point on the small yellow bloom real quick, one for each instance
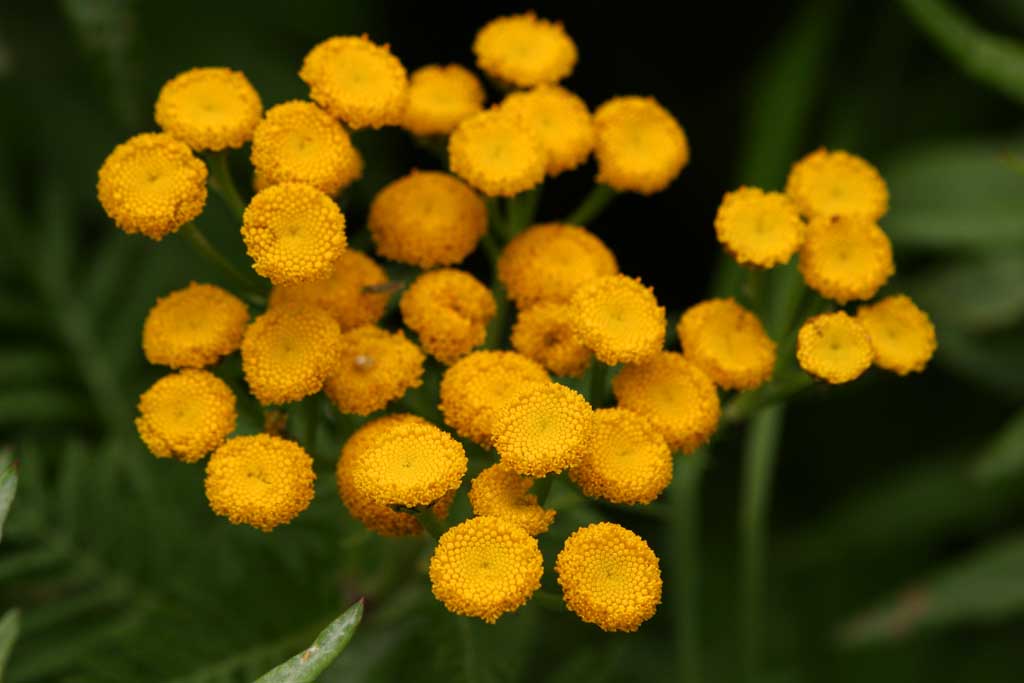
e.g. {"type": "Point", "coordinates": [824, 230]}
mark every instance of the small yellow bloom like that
{"type": "Point", "coordinates": [293, 233]}
{"type": "Point", "coordinates": [825, 184]}
{"type": "Point", "coordinates": [543, 430]}
{"type": "Point", "coordinates": [543, 332]}
{"type": "Point", "coordinates": [193, 327]}
{"type": "Point", "coordinates": [609, 577]}
{"type": "Point", "coordinates": [440, 97]}
{"type": "Point", "coordinates": [427, 219]}
{"type": "Point", "coordinates": [560, 120]}
{"type": "Point", "coordinates": [152, 184]}
{"type": "Point", "coordinates": [640, 146]}
{"type": "Point", "coordinates": [901, 333]}
{"type": "Point", "coordinates": [524, 50]}
{"type": "Point", "coordinates": [449, 310]}
{"type": "Point", "coordinates": [727, 342]}
{"type": "Point", "coordinates": [759, 228]}
{"type": "Point", "coordinates": [496, 153]}
{"type": "Point", "coordinates": [618, 319]}
{"type": "Point", "coordinates": [485, 567]}
{"type": "Point", "coordinates": [263, 481]}
{"type": "Point", "coordinates": [209, 108]}
{"type": "Point", "coordinates": [834, 347]}
{"type": "Point", "coordinates": [186, 415]}
{"type": "Point", "coordinates": [500, 492]}
{"type": "Point", "coordinates": [846, 258]}
{"type": "Point", "coordinates": [375, 367]}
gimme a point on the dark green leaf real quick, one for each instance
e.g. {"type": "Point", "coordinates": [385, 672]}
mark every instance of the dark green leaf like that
{"type": "Point", "coordinates": [9, 624]}
{"type": "Point", "coordinates": [8, 486]}
{"type": "Point", "coordinates": [308, 664]}
{"type": "Point", "coordinates": [974, 295]}
{"type": "Point", "coordinates": [1004, 455]}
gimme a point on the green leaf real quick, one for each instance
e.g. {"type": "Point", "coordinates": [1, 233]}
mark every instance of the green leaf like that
{"type": "Point", "coordinates": [995, 360]}
{"type": "Point", "coordinates": [974, 295]}
{"type": "Point", "coordinates": [9, 625]}
{"type": "Point", "coordinates": [8, 487]}
{"type": "Point", "coordinates": [308, 664]}
{"type": "Point", "coordinates": [1004, 455]}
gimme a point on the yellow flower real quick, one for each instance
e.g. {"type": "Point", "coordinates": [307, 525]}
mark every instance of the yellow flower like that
{"type": "Point", "coordinates": [500, 492]}
{"type": "Point", "coordinates": [299, 142]}
{"type": "Point", "coordinates": [524, 50]}
{"type": "Point", "coordinates": [375, 367]}
{"type": "Point", "coordinates": [845, 258]}
{"type": "Point", "coordinates": [759, 228]}
{"type": "Point", "coordinates": [476, 388]}
{"type": "Point", "coordinates": [560, 120]}
{"type": "Point", "coordinates": [485, 567]}
{"type": "Point", "coordinates": [609, 577]}
{"type": "Point", "coordinates": [901, 333]}
{"type": "Point", "coordinates": [495, 153]}
{"type": "Point", "coordinates": [193, 327]}
{"type": "Point", "coordinates": [357, 81]}
{"type": "Point", "coordinates": [548, 262]}
{"type": "Point", "coordinates": [449, 310]}
{"type": "Point", "coordinates": [152, 184]}
{"type": "Point", "coordinates": [727, 342]}
{"type": "Point", "coordinates": [440, 97]}
{"type": "Point", "coordinates": [618, 319]}
{"type": "Point", "coordinates": [834, 347]}
{"type": "Point", "coordinates": [293, 233]}
{"type": "Point", "coordinates": [543, 430]}
{"type": "Point", "coordinates": [427, 219]}
{"type": "Point", "coordinates": [675, 395]}
{"type": "Point", "coordinates": [209, 108]}
{"type": "Point", "coordinates": [186, 415]}
{"type": "Point", "coordinates": [640, 146]}
{"type": "Point", "coordinates": [543, 333]}
{"type": "Point", "coordinates": [288, 352]}
{"type": "Point", "coordinates": [261, 480]}
{"type": "Point", "coordinates": [825, 184]}
{"type": "Point", "coordinates": [627, 460]}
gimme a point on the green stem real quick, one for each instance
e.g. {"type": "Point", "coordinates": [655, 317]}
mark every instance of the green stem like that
{"type": "Point", "coordinates": [223, 184]}
{"type": "Point", "coordinates": [251, 286]}
{"type": "Point", "coordinates": [745, 404]}
{"type": "Point", "coordinates": [521, 210]}
{"type": "Point", "coordinates": [310, 422]}
{"type": "Point", "coordinates": [496, 220]}
{"type": "Point", "coordinates": [598, 384]}
{"type": "Point", "coordinates": [493, 251]}
{"type": "Point", "coordinates": [592, 206]}
{"type": "Point", "coordinates": [542, 487]}
{"type": "Point", "coordinates": [496, 330]}
{"type": "Point", "coordinates": [684, 527]}
{"type": "Point", "coordinates": [549, 600]}
{"type": "Point", "coordinates": [430, 523]}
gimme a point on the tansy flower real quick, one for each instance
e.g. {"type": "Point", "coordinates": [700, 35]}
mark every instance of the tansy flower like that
{"type": "Point", "coordinates": [826, 184]}
{"type": "Point", "coordinates": [485, 567]}
{"type": "Point", "coordinates": [524, 50]}
{"type": "Point", "coordinates": [640, 147]}
{"type": "Point", "coordinates": [186, 415]}
{"type": "Point", "coordinates": [449, 310]}
{"type": "Point", "coordinates": [293, 233]}
{"type": "Point", "coordinates": [375, 367]}
{"type": "Point", "coordinates": [727, 342]}
{"type": "Point", "coordinates": [759, 228]}
{"type": "Point", "coordinates": [496, 153]}
{"type": "Point", "coordinates": [440, 97]}
{"type": "Point", "coordinates": [500, 492]}
{"type": "Point", "coordinates": [845, 258]}
{"type": "Point", "coordinates": [259, 480]}
{"type": "Point", "coordinates": [193, 327]}
{"type": "Point", "coordinates": [288, 352]}
{"type": "Point", "coordinates": [476, 388]}
{"type": "Point", "coordinates": [560, 120]}
{"type": "Point", "coordinates": [834, 347]}
{"type": "Point", "coordinates": [548, 262]}
{"type": "Point", "coordinates": [543, 430]}
{"type": "Point", "coordinates": [357, 81]}
{"type": "Point", "coordinates": [348, 293]}
{"type": "Point", "coordinates": [209, 108]}
{"type": "Point", "coordinates": [675, 395]}
{"type": "Point", "coordinates": [152, 184]}
{"type": "Point", "coordinates": [543, 332]}
{"type": "Point", "coordinates": [901, 333]}
{"type": "Point", "coordinates": [301, 143]}
{"type": "Point", "coordinates": [427, 219]}
{"type": "Point", "coordinates": [626, 461]}
{"type": "Point", "coordinates": [618, 319]}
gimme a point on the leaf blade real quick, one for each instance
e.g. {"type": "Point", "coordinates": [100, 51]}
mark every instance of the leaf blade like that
{"type": "Point", "coordinates": [307, 665]}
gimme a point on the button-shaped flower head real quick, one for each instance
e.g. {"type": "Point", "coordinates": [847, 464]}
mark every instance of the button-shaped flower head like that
{"type": "Point", "coordinates": [640, 146]}
{"type": "Point", "coordinates": [619, 319]}
{"type": "Point", "coordinates": [901, 333]}
{"type": "Point", "coordinates": [825, 184]}
{"type": "Point", "coordinates": [498, 491]}
{"type": "Point", "coordinates": [524, 50]}
{"type": "Point", "coordinates": [759, 228]}
{"type": "Point", "coordinates": [193, 327]}
{"type": "Point", "coordinates": [209, 108]}
{"type": "Point", "coordinates": [449, 310]}
{"type": "Point", "coordinates": [186, 415]}
{"type": "Point", "coordinates": [543, 430]}
{"type": "Point", "coordinates": [834, 347]}
{"type": "Point", "coordinates": [846, 259]}
{"type": "Point", "coordinates": [728, 342]}
{"type": "Point", "coordinates": [560, 120]}
{"type": "Point", "coordinates": [375, 367]}
{"type": "Point", "coordinates": [497, 153]}
{"type": "Point", "coordinates": [440, 98]}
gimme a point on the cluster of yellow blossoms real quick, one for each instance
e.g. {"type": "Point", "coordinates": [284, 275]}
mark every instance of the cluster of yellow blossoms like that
{"type": "Point", "coordinates": [317, 328]}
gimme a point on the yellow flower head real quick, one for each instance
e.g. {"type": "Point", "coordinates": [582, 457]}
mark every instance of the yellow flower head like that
{"type": "Point", "coordinates": [500, 492]}
{"type": "Point", "coordinates": [560, 120]}
{"type": "Point", "coordinates": [834, 347]}
{"type": "Point", "coordinates": [186, 415]}
{"type": "Point", "coordinates": [152, 184]}
{"type": "Point", "coordinates": [261, 480]}
{"type": "Point", "coordinates": [427, 219]}
{"type": "Point", "coordinates": [901, 333]}
{"type": "Point", "coordinates": [544, 430]}
{"type": "Point", "coordinates": [673, 393]}
{"type": "Point", "coordinates": [548, 262]}
{"type": "Point", "coordinates": [298, 142]}
{"type": "Point", "coordinates": [347, 293]}
{"type": "Point", "coordinates": [543, 332]}
{"type": "Point", "coordinates": [609, 577]}
{"type": "Point", "coordinates": [846, 258]}
{"type": "Point", "coordinates": [627, 460]}
{"type": "Point", "coordinates": [293, 233]}
{"type": "Point", "coordinates": [640, 146]}
{"type": "Point", "coordinates": [618, 319]}
{"type": "Point", "coordinates": [496, 153]}
{"type": "Point", "coordinates": [288, 352]}
{"type": "Point", "coordinates": [376, 367]}
{"type": "Point", "coordinates": [727, 342]}
{"type": "Point", "coordinates": [209, 108]}
{"type": "Point", "coordinates": [357, 81]}
{"type": "Point", "coordinates": [825, 184]}
{"type": "Point", "coordinates": [524, 51]}
{"type": "Point", "coordinates": [485, 567]}
{"type": "Point", "coordinates": [449, 310]}
{"type": "Point", "coordinates": [440, 97]}
{"type": "Point", "coordinates": [193, 327]}
{"type": "Point", "coordinates": [759, 228]}
{"type": "Point", "coordinates": [476, 388]}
